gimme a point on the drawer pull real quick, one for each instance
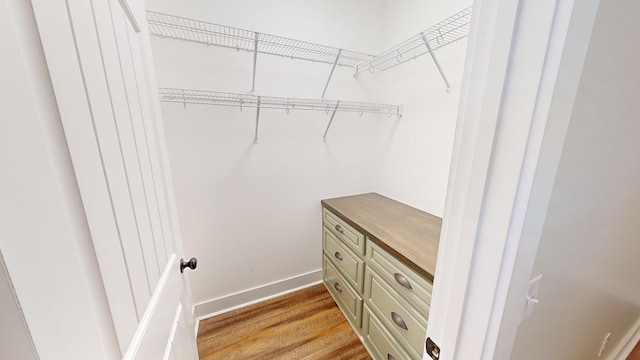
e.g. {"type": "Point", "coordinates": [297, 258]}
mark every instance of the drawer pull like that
{"type": "Point", "coordinates": [339, 229]}
{"type": "Point", "coordinates": [337, 287]}
{"type": "Point", "coordinates": [390, 357]}
{"type": "Point", "coordinates": [403, 281]}
{"type": "Point", "coordinates": [338, 256]}
{"type": "Point", "coordinates": [398, 320]}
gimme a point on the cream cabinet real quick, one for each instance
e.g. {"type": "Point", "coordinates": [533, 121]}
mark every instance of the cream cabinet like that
{"type": "Point", "coordinates": [378, 262]}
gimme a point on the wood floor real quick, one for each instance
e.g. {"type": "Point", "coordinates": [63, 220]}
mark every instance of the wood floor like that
{"type": "Point", "coordinates": [305, 324]}
{"type": "Point", "coordinates": [635, 354]}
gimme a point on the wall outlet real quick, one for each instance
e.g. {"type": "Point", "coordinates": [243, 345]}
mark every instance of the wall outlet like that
{"type": "Point", "coordinates": [604, 344]}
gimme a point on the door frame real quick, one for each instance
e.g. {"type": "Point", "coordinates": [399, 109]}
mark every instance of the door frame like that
{"type": "Point", "coordinates": [523, 66]}
{"type": "Point", "coordinates": [469, 252]}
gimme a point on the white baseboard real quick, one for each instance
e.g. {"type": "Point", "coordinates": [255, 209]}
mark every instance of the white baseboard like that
{"type": "Point", "coordinates": [626, 346]}
{"type": "Point", "coordinates": [254, 295]}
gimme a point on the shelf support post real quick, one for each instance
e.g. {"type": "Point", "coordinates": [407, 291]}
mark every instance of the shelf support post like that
{"type": "Point", "coordinates": [331, 73]}
{"type": "Point", "coordinates": [255, 138]}
{"type": "Point", "coordinates": [255, 60]}
{"type": "Point", "coordinates": [324, 137]}
{"type": "Point", "coordinates": [435, 60]}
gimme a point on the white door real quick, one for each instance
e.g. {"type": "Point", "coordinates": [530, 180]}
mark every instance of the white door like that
{"type": "Point", "coordinates": [98, 57]}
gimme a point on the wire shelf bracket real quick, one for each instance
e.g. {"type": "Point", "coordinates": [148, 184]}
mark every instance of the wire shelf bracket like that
{"type": "Point", "coordinates": [255, 61]}
{"type": "Point", "coordinates": [446, 32]}
{"type": "Point", "coordinates": [217, 98]}
{"type": "Point", "coordinates": [255, 138]}
{"type": "Point", "coordinates": [181, 28]}
{"type": "Point", "coordinates": [333, 68]}
{"type": "Point", "coordinates": [435, 61]}
{"type": "Point", "coordinates": [333, 114]}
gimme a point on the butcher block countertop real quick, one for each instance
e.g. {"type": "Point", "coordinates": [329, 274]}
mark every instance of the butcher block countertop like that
{"type": "Point", "coordinates": [409, 234]}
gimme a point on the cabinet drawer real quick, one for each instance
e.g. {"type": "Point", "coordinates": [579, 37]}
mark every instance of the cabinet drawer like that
{"type": "Point", "coordinates": [411, 286]}
{"type": "Point", "coordinates": [348, 299]}
{"type": "Point", "coordinates": [378, 340]}
{"type": "Point", "coordinates": [349, 264]}
{"type": "Point", "coordinates": [350, 236]}
{"type": "Point", "coordinates": [406, 323]}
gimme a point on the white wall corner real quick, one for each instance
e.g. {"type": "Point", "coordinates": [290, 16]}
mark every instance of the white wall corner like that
{"type": "Point", "coordinates": [254, 295]}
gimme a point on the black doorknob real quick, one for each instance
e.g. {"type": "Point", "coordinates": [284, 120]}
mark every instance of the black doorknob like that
{"type": "Point", "coordinates": [191, 264]}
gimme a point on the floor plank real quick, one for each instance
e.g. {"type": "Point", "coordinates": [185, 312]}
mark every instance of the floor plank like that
{"type": "Point", "coordinates": [305, 324]}
{"type": "Point", "coordinates": [635, 354]}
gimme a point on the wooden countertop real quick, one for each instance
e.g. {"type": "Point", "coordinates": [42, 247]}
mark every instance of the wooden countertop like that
{"type": "Point", "coordinates": [410, 234]}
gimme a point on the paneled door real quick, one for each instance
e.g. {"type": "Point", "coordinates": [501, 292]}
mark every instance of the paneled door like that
{"type": "Point", "coordinates": [99, 60]}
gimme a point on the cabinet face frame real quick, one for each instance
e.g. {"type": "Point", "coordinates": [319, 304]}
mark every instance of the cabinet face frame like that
{"type": "Point", "coordinates": [375, 263]}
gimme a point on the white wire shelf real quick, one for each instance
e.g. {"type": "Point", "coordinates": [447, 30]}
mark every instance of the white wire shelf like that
{"type": "Point", "coordinates": [217, 98]}
{"type": "Point", "coordinates": [206, 97]}
{"type": "Point", "coordinates": [176, 27]}
{"type": "Point", "coordinates": [446, 32]}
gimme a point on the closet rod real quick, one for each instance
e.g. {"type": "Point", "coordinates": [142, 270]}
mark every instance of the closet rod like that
{"type": "Point", "coordinates": [444, 33]}
{"type": "Point", "coordinates": [217, 98]}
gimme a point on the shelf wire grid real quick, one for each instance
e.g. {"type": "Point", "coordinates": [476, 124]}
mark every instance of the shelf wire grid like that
{"type": "Point", "coordinates": [176, 27]}
{"type": "Point", "coordinates": [446, 32]}
{"type": "Point", "coordinates": [206, 97]}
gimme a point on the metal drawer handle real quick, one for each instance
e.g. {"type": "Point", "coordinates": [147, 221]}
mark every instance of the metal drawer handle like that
{"type": "Point", "coordinates": [403, 281]}
{"type": "Point", "coordinates": [337, 287]}
{"type": "Point", "coordinates": [390, 357]}
{"type": "Point", "coordinates": [338, 256]}
{"type": "Point", "coordinates": [398, 320]}
{"type": "Point", "coordinates": [339, 229]}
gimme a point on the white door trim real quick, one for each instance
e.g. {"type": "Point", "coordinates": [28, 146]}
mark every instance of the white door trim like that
{"type": "Point", "coordinates": [524, 61]}
{"type": "Point", "coordinates": [160, 294]}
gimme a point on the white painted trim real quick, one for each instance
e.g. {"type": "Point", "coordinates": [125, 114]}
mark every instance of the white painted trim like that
{"type": "Point", "coordinates": [172, 333]}
{"type": "Point", "coordinates": [145, 321]}
{"type": "Point", "coordinates": [628, 344]}
{"type": "Point", "coordinates": [568, 45]}
{"type": "Point", "coordinates": [255, 295]}
{"type": "Point", "coordinates": [496, 166]}
{"type": "Point", "coordinates": [130, 15]}
{"type": "Point", "coordinates": [481, 97]}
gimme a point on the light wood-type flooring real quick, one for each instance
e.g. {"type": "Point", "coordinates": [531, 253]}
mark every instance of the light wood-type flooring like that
{"type": "Point", "coordinates": [635, 354]}
{"type": "Point", "coordinates": [305, 324]}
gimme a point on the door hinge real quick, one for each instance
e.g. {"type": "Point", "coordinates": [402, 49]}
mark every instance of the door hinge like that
{"type": "Point", "coordinates": [433, 350]}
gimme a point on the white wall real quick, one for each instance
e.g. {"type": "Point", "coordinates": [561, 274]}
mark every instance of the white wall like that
{"type": "Point", "coordinates": [43, 233]}
{"type": "Point", "coordinates": [251, 212]}
{"type": "Point", "coordinates": [589, 248]}
{"type": "Point", "coordinates": [414, 154]}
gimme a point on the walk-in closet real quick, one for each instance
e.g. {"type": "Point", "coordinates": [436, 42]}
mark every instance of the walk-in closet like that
{"type": "Point", "coordinates": [319, 179]}
{"type": "Point", "coordinates": [271, 107]}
